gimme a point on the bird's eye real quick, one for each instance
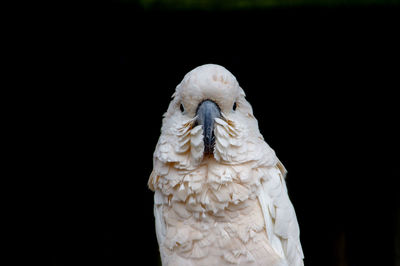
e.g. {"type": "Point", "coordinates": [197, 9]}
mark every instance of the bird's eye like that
{"type": "Point", "coordinates": [181, 107]}
{"type": "Point", "coordinates": [234, 106]}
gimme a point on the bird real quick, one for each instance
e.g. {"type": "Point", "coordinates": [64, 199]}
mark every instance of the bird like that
{"type": "Point", "coordinates": [220, 196]}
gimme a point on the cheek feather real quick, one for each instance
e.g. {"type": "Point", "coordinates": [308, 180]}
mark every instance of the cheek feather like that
{"type": "Point", "coordinates": [229, 141]}
{"type": "Point", "coordinates": [190, 141]}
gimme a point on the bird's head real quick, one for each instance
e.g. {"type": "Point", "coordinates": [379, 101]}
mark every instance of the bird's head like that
{"type": "Point", "coordinates": [209, 105]}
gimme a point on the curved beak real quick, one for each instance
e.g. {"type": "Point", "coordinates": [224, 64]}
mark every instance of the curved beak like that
{"type": "Point", "coordinates": [206, 113]}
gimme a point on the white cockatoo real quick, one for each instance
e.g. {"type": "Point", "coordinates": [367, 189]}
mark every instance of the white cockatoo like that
{"type": "Point", "coordinates": [220, 193]}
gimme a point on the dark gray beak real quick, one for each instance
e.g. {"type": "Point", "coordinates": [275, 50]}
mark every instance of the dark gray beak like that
{"type": "Point", "coordinates": [206, 112]}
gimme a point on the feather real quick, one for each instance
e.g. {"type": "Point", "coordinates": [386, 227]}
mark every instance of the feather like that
{"type": "Point", "coordinates": [283, 230]}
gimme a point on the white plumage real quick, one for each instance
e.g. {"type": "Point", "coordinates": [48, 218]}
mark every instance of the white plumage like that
{"type": "Point", "coordinates": [225, 208]}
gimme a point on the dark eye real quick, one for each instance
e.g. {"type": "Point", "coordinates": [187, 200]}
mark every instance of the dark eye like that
{"type": "Point", "coordinates": [234, 107]}
{"type": "Point", "coordinates": [182, 109]}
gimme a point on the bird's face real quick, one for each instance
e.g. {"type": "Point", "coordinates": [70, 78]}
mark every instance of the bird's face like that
{"type": "Point", "coordinates": [209, 96]}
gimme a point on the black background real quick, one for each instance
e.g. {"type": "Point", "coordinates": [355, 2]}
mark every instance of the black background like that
{"type": "Point", "coordinates": [322, 85]}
